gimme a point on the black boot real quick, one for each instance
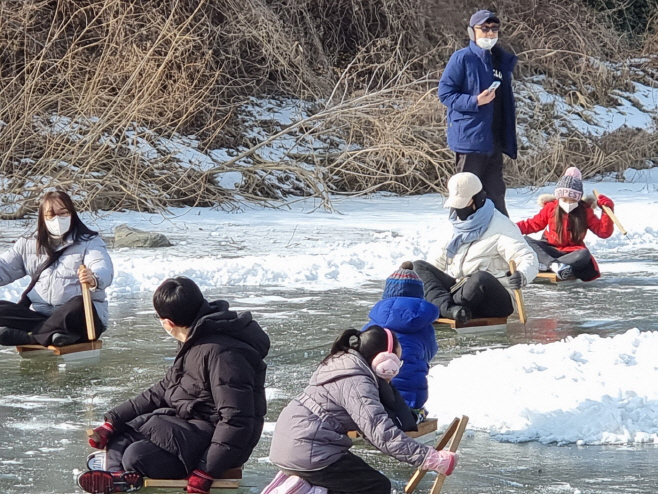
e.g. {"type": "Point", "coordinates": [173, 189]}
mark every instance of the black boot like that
{"type": "Point", "coordinates": [63, 339]}
{"type": "Point", "coordinates": [13, 337]}
{"type": "Point", "coordinates": [459, 313]}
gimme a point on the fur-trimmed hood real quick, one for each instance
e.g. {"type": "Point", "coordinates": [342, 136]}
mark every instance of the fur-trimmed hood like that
{"type": "Point", "coordinates": [543, 199]}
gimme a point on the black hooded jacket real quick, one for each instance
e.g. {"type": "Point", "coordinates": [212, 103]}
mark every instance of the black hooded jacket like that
{"type": "Point", "coordinates": [209, 409]}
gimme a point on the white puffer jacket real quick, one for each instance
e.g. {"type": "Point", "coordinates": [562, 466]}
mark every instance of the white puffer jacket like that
{"type": "Point", "coordinates": [59, 283]}
{"type": "Point", "coordinates": [501, 243]}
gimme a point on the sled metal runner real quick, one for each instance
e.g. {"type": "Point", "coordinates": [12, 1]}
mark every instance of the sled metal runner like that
{"type": "Point", "coordinates": [474, 325]}
{"type": "Point", "coordinates": [230, 480]}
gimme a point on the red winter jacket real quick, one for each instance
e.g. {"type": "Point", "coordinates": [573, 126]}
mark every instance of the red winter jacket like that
{"type": "Point", "coordinates": [602, 227]}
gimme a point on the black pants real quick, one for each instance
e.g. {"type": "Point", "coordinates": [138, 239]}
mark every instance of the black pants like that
{"type": "Point", "coordinates": [489, 169]}
{"type": "Point", "coordinates": [68, 318]}
{"type": "Point", "coordinates": [482, 292]}
{"type": "Point", "coordinates": [580, 260]}
{"type": "Point", "coordinates": [349, 475]}
{"type": "Point", "coordinates": [133, 451]}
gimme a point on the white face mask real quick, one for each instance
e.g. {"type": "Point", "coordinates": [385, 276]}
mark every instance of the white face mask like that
{"type": "Point", "coordinates": [486, 43]}
{"type": "Point", "coordinates": [58, 226]}
{"type": "Point", "coordinates": [567, 207]}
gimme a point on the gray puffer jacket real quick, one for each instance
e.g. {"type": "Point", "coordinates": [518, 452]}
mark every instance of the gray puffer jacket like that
{"type": "Point", "coordinates": [311, 432]}
{"type": "Point", "coordinates": [59, 283]}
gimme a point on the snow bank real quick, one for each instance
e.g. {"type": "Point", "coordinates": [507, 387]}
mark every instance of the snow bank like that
{"type": "Point", "coordinates": [584, 390]}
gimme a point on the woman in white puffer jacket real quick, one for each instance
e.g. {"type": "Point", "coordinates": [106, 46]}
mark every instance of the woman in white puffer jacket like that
{"type": "Point", "coordinates": [470, 276]}
{"type": "Point", "coordinates": [50, 310]}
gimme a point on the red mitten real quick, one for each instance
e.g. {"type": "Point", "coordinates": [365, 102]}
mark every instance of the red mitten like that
{"type": "Point", "coordinates": [101, 436]}
{"type": "Point", "coordinates": [199, 482]}
{"type": "Point", "coordinates": [605, 201]}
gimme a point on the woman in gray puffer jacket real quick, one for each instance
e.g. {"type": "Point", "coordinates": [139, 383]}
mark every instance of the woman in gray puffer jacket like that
{"type": "Point", "coordinates": [50, 311]}
{"type": "Point", "coordinates": [310, 439]}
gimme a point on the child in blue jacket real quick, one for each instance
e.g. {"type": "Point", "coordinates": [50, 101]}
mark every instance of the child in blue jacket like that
{"type": "Point", "coordinates": [404, 311]}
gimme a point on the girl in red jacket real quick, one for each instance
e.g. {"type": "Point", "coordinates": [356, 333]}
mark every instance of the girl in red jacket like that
{"type": "Point", "coordinates": [567, 217]}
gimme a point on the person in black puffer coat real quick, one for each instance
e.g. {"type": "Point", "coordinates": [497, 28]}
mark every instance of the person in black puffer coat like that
{"type": "Point", "coordinates": [206, 415]}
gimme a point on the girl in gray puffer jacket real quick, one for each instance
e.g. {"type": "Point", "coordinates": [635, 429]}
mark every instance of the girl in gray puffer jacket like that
{"type": "Point", "coordinates": [310, 439]}
{"type": "Point", "coordinates": [59, 257]}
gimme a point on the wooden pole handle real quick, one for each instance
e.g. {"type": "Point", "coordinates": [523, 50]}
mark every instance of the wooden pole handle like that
{"type": "Point", "coordinates": [612, 215]}
{"type": "Point", "coordinates": [520, 305]}
{"type": "Point", "coordinates": [89, 311]}
{"type": "Point", "coordinates": [420, 473]}
{"type": "Point", "coordinates": [454, 444]}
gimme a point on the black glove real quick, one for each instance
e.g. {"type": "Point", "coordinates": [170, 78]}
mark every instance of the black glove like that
{"type": "Point", "coordinates": [459, 313]}
{"type": "Point", "coordinates": [516, 280]}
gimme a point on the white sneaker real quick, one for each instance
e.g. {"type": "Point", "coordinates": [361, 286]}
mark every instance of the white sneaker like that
{"type": "Point", "coordinates": [543, 267]}
{"type": "Point", "coordinates": [97, 461]}
{"type": "Point", "coordinates": [563, 271]}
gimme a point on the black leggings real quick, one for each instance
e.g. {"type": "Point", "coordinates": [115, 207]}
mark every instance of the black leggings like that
{"type": "Point", "coordinates": [580, 260]}
{"type": "Point", "coordinates": [349, 475]}
{"type": "Point", "coordinates": [68, 318]}
{"type": "Point", "coordinates": [133, 451]}
{"type": "Point", "coordinates": [481, 292]}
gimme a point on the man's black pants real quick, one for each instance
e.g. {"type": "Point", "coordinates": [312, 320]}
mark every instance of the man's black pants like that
{"type": "Point", "coordinates": [489, 169]}
{"type": "Point", "coordinates": [133, 451]}
{"type": "Point", "coordinates": [349, 475]}
{"type": "Point", "coordinates": [68, 318]}
{"type": "Point", "coordinates": [481, 292]}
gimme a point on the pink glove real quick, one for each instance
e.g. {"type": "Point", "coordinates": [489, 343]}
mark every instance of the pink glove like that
{"type": "Point", "coordinates": [101, 436]}
{"type": "Point", "coordinates": [440, 461]}
{"type": "Point", "coordinates": [199, 482]}
{"type": "Point", "coordinates": [605, 201]}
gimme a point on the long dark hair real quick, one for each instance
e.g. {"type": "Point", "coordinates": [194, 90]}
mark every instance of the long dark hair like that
{"type": "Point", "coordinates": [577, 223]}
{"type": "Point", "coordinates": [78, 230]}
{"type": "Point", "coordinates": [368, 343]}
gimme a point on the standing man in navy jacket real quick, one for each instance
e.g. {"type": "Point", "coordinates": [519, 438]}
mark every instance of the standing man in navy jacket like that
{"type": "Point", "coordinates": [481, 122]}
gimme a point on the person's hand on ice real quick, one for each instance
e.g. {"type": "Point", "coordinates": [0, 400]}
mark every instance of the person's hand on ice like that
{"type": "Point", "coordinates": [605, 201]}
{"type": "Point", "coordinates": [101, 435]}
{"type": "Point", "coordinates": [440, 461]}
{"type": "Point", "coordinates": [199, 482]}
{"type": "Point", "coordinates": [516, 280]}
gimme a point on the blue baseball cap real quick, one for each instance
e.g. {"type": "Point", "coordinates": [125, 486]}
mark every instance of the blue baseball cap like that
{"type": "Point", "coordinates": [482, 17]}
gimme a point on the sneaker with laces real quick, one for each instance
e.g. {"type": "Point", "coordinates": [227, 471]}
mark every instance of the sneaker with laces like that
{"type": "Point", "coordinates": [563, 271]}
{"type": "Point", "coordinates": [102, 482]}
{"type": "Point", "coordinates": [97, 461]}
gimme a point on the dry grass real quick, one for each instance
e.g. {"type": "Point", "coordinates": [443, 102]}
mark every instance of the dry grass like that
{"type": "Point", "coordinates": [114, 68]}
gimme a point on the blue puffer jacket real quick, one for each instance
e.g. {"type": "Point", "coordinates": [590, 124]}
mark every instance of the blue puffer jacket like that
{"type": "Point", "coordinates": [468, 73]}
{"type": "Point", "coordinates": [411, 320]}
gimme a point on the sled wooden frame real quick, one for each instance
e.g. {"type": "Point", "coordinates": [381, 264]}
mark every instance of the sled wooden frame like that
{"type": "Point", "coordinates": [77, 351]}
{"type": "Point", "coordinates": [229, 480]}
{"type": "Point", "coordinates": [454, 434]}
{"type": "Point", "coordinates": [552, 278]}
{"type": "Point", "coordinates": [426, 427]}
{"type": "Point", "coordinates": [474, 325]}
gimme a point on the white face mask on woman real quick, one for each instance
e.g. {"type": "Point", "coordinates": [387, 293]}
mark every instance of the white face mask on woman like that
{"type": "Point", "coordinates": [58, 225]}
{"type": "Point", "coordinates": [567, 207]}
{"type": "Point", "coordinates": [486, 43]}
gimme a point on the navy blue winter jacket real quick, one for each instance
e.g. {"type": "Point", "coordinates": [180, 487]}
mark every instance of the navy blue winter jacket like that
{"type": "Point", "coordinates": [411, 320]}
{"type": "Point", "coordinates": [468, 73]}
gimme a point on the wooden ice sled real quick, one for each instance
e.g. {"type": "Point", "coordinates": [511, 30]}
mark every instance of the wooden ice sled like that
{"type": "Point", "coordinates": [426, 427]}
{"type": "Point", "coordinates": [230, 480]}
{"type": "Point", "coordinates": [552, 278]}
{"type": "Point", "coordinates": [76, 351]}
{"type": "Point", "coordinates": [474, 325]}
